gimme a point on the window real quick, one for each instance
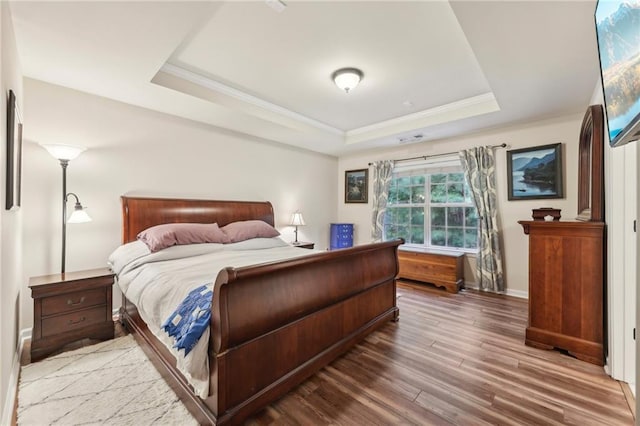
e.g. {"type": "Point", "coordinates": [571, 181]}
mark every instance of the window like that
{"type": "Point", "coordinates": [432, 207]}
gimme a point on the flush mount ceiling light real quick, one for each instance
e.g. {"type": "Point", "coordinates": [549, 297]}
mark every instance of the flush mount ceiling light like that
{"type": "Point", "coordinates": [347, 78]}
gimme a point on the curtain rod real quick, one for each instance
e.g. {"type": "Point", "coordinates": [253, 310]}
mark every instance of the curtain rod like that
{"type": "Point", "coordinates": [424, 157]}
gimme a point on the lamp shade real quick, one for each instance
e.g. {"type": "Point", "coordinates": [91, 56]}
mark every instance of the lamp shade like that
{"type": "Point", "coordinates": [297, 219]}
{"type": "Point", "coordinates": [64, 152]}
{"type": "Point", "coordinates": [79, 215]}
{"type": "Point", "coordinates": [347, 78]}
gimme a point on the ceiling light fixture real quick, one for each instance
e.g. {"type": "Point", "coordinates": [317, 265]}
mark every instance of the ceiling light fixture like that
{"type": "Point", "coordinates": [347, 78]}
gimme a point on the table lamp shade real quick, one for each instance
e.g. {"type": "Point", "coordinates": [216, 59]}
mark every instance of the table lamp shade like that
{"type": "Point", "coordinates": [297, 219]}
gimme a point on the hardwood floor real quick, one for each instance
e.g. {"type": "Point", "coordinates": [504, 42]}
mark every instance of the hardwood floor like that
{"type": "Point", "coordinates": [453, 359]}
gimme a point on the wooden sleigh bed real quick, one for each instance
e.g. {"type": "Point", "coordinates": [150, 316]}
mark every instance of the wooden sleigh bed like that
{"type": "Point", "coordinates": [272, 325]}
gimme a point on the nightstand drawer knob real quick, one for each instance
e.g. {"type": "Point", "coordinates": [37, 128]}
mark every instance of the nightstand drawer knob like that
{"type": "Point", "coordinates": [72, 303]}
{"type": "Point", "coordinates": [77, 322]}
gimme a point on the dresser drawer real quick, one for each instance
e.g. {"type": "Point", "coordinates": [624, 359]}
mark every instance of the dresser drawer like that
{"type": "Point", "coordinates": [73, 301]}
{"type": "Point", "coordinates": [72, 321]}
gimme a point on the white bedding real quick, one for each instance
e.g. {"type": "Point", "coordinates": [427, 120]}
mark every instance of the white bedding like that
{"type": "Point", "coordinates": [157, 282]}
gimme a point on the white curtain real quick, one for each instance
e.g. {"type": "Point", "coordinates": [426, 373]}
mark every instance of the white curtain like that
{"type": "Point", "coordinates": [382, 171]}
{"type": "Point", "coordinates": [480, 171]}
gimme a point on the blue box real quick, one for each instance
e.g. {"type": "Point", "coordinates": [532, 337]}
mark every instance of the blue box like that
{"type": "Point", "coordinates": [341, 235]}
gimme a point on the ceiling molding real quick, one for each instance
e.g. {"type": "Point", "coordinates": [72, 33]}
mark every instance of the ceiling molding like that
{"type": "Point", "coordinates": [469, 107]}
{"type": "Point", "coordinates": [239, 95]}
{"type": "Point", "coordinates": [464, 108]}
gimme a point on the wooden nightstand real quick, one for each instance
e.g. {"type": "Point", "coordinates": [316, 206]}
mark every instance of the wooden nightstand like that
{"type": "Point", "coordinates": [302, 244]}
{"type": "Point", "coordinates": [69, 307]}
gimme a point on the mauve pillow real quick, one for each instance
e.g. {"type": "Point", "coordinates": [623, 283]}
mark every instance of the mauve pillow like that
{"type": "Point", "coordinates": [171, 234]}
{"type": "Point", "coordinates": [247, 229]}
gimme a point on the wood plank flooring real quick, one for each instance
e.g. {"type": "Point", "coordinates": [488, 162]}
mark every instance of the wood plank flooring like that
{"type": "Point", "coordinates": [453, 359]}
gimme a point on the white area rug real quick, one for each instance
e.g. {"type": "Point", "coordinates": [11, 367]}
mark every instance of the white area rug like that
{"type": "Point", "coordinates": [111, 383]}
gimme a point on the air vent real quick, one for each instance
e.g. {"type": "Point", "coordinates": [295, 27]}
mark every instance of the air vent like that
{"type": "Point", "coordinates": [409, 139]}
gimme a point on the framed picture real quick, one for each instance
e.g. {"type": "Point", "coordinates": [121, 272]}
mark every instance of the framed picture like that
{"type": "Point", "coordinates": [535, 173]}
{"type": "Point", "coordinates": [14, 153]}
{"type": "Point", "coordinates": [356, 186]}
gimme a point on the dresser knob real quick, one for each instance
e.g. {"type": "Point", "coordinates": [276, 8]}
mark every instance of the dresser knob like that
{"type": "Point", "coordinates": [72, 303]}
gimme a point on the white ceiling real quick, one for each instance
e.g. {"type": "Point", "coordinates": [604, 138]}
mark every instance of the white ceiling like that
{"type": "Point", "coordinates": [431, 68]}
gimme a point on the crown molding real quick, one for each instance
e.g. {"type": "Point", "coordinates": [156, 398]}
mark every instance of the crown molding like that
{"type": "Point", "coordinates": [469, 107]}
{"type": "Point", "coordinates": [239, 95]}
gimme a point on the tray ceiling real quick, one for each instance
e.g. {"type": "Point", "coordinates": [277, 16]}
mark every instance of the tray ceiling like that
{"type": "Point", "coordinates": [434, 68]}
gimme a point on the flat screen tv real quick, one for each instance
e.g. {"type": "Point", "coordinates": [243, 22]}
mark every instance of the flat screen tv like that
{"type": "Point", "coordinates": [618, 31]}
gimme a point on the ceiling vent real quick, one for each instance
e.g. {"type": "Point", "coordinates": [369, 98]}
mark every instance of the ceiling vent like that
{"type": "Point", "coordinates": [410, 139]}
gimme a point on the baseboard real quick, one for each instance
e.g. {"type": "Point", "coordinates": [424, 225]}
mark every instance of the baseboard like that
{"type": "Point", "coordinates": [521, 294]}
{"type": "Point", "coordinates": [12, 386]}
{"type": "Point", "coordinates": [630, 395]}
{"type": "Point", "coordinates": [472, 286]}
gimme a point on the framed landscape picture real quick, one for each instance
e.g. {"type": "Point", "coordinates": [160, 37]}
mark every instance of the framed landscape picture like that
{"type": "Point", "coordinates": [356, 184]}
{"type": "Point", "coordinates": [535, 173]}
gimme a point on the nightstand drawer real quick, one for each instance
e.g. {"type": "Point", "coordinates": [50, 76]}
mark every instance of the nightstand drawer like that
{"type": "Point", "coordinates": [73, 301]}
{"type": "Point", "coordinates": [63, 323]}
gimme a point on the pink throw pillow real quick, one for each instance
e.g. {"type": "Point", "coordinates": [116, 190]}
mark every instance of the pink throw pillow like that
{"type": "Point", "coordinates": [162, 236]}
{"type": "Point", "coordinates": [247, 229]}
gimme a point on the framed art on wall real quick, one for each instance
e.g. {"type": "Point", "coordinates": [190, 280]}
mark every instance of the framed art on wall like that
{"type": "Point", "coordinates": [14, 153]}
{"type": "Point", "coordinates": [356, 184]}
{"type": "Point", "coordinates": [535, 173]}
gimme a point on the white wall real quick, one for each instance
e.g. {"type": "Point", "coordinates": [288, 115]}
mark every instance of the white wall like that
{"type": "Point", "coordinates": [132, 150]}
{"type": "Point", "coordinates": [620, 183]}
{"type": "Point", "coordinates": [10, 226]}
{"type": "Point", "coordinates": [563, 129]}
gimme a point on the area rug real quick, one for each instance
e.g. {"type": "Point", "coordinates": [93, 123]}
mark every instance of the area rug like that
{"type": "Point", "coordinates": [110, 383]}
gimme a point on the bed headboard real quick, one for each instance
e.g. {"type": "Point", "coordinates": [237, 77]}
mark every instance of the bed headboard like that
{"type": "Point", "coordinates": [140, 213]}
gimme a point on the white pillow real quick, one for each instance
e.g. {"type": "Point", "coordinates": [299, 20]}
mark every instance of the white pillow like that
{"type": "Point", "coordinates": [256, 244]}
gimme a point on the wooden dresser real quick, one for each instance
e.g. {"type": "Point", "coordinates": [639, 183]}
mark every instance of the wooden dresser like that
{"type": "Point", "coordinates": [566, 287]}
{"type": "Point", "coordinates": [438, 267]}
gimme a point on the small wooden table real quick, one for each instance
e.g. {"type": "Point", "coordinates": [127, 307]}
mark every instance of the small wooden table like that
{"type": "Point", "coordinates": [302, 244]}
{"type": "Point", "coordinates": [69, 307]}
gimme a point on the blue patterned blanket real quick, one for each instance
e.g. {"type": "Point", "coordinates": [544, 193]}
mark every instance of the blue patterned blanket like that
{"type": "Point", "coordinates": [187, 323]}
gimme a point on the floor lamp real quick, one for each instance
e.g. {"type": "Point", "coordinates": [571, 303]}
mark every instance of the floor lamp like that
{"type": "Point", "coordinates": [64, 154]}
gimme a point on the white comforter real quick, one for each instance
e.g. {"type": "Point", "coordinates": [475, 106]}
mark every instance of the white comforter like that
{"type": "Point", "coordinates": [157, 282]}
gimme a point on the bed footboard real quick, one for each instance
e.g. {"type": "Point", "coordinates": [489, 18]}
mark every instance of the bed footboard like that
{"type": "Point", "coordinates": [274, 325]}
